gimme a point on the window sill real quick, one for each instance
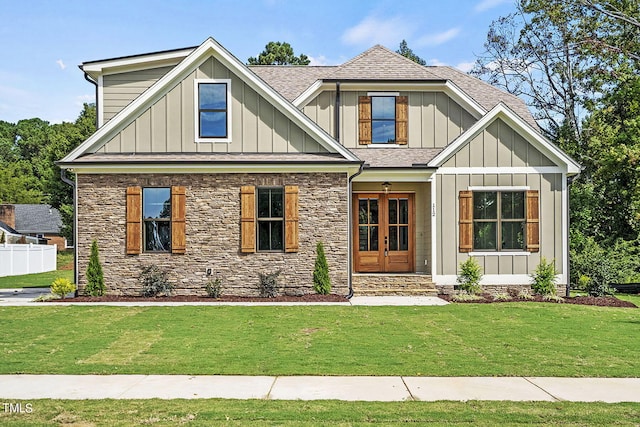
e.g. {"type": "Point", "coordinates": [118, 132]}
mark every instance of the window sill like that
{"type": "Point", "coordinates": [213, 140]}
{"type": "Point", "coordinates": [385, 145]}
{"type": "Point", "coordinates": [502, 253]}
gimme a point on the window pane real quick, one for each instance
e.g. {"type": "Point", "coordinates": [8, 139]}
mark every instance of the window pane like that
{"type": "Point", "coordinates": [404, 238]}
{"type": "Point", "coordinates": [373, 238]}
{"type": "Point", "coordinates": [393, 211]}
{"type": "Point", "coordinates": [263, 203]}
{"type": "Point", "coordinates": [213, 124]}
{"type": "Point", "coordinates": [393, 238]}
{"type": "Point", "coordinates": [485, 205]}
{"type": "Point", "coordinates": [157, 236]}
{"type": "Point", "coordinates": [213, 96]}
{"type": "Point", "coordinates": [277, 241]}
{"type": "Point", "coordinates": [513, 235]}
{"type": "Point", "coordinates": [363, 211]}
{"type": "Point", "coordinates": [363, 238]}
{"type": "Point", "coordinates": [383, 131]}
{"type": "Point", "coordinates": [156, 203]}
{"type": "Point", "coordinates": [512, 205]}
{"type": "Point", "coordinates": [264, 235]}
{"type": "Point", "coordinates": [484, 235]}
{"type": "Point", "coordinates": [373, 211]}
{"type": "Point", "coordinates": [404, 211]}
{"type": "Point", "coordinates": [277, 203]}
{"type": "Point", "coordinates": [383, 107]}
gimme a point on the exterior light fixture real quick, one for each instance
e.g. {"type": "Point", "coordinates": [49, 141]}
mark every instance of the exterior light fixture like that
{"type": "Point", "coordinates": [386, 186]}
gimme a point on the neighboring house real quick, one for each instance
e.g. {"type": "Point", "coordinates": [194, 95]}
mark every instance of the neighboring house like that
{"type": "Point", "coordinates": [10, 234]}
{"type": "Point", "coordinates": [202, 164]}
{"type": "Point", "coordinates": [38, 223]}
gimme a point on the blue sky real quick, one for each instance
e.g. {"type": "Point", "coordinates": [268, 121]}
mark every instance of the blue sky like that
{"type": "Point", "coordinates": [43, 42]}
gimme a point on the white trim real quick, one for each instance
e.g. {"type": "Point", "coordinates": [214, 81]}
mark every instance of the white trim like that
{"type": "Point", "coordinates": [488, 279]}
{"type": "Point", "coordinates": [565, 230]}
{"type": "Point", "coordinates": [499, 188]}
{"type": "Point", "coordinates": [208, 168]}
{"type": "Point", "coordinates": [375, 145]}
{"type": "Point", "coordinates": [393, 175]}
{"type": "Point", "coordinates": [434, 225]}
{"type": "Point", "coordinates": [100, 102]}
{"type": "Point", "coordinates": [139, 62]}
{"type": "Point", "coordinates": [383, 93]}
{"type": "Point", "coordinates": [497, 170]}
{"type": "Point", "coordinates": [500, 253]}
{"type": "Point", "coordinates": [196, 99]}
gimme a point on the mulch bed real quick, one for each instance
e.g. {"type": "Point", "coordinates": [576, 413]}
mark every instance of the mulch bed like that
{"type": "Point", "coordinates": [196, 298]}
{"type": "Point", "coordinates": [607, 301]}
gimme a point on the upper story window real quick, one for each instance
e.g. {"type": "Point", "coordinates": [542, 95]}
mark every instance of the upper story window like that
{"type": "Point", "coordinates": [213, 112]}
{"type": "Point", "coordinates": [156, 215]}
{"type": "Point", "coordinates": [383, 118]}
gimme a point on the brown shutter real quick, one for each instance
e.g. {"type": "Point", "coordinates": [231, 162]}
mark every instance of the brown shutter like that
{"type": "Point", "coordinates": [364, 120]}
{"type": "Point", "coordinates": [291, 218]}
{"type": "Point", "coordinates": [178, 220]}
{"type": "Point", "coordinates": [466, 221]}
{"type": "Point", "coordinates": [134, 220]}
{"type": "Point", "coordinates": [533, 221]}
{"type": "Point", "coordinates": [402, 114]}
{"type": "Point", "coordinates": [248, 219]}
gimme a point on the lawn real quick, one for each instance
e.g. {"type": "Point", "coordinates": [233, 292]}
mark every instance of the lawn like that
{"type": "Point", "coordinates": [318, 413]}
{"type": "Point", "coordinates": [509, 339]}
{"type": "Point", "coordinates": [64, 264]}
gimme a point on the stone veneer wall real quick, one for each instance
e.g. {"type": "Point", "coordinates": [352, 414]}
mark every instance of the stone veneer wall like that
{"type": "Point", "coordinates": [561, 290]}
{"type": "Point", "coordinates": [213, 232]}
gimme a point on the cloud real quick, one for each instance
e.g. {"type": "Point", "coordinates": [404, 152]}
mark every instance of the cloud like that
{"type": "Point", "coordinates": [61, 64]}
{"type": "Point", "coordinates": [465, 66]}
{"type": "Point", "coordinates": [318, 60]}
{"type": "Point", "coordinates": [372, 30]}
{"type": "Point", "coordinates": [82, 99]}
{"type": "Point", "coordinates": [485, 5]}
{"type": "Point", "coordinates": [438, 38]}
{"type": "Point", "coordinates": [436, 62]}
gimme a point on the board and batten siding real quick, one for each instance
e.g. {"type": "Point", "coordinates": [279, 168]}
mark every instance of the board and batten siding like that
{"type": "Point", "coordinates": [435, 119]}
{"type": "Point", "coordinates": [122, 88]}
{"type": "Point", "coordinates": [168, 126]}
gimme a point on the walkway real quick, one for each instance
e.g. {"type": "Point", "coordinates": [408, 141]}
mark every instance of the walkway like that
{"type": "Point", "coordinates": [610, 390]}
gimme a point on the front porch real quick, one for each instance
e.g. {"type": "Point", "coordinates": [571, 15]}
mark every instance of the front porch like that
{"type": "Point", "coordinates": [381, 284]}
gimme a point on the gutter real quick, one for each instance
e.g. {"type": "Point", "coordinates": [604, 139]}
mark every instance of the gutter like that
{"type": "Point", "coordinates": [337, 113]}
{"type": "Point", "coordinates": [350, 228]}
{"type": "Point", "coordinates": [63, 177]}
{"type": "Point", "coordinates": [95, 83]}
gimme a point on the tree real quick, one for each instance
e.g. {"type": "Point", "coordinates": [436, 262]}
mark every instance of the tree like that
{"type": "Point", "coordinates": [95, 277]}
{"type": "Point", "coordinates": [279, 53]}
{"type": "Point", "coordinates": [321, 279]}
{"type": "Point", "coordinates": [405, 51]}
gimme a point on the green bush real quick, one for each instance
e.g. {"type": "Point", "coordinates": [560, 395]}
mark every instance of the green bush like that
{"type": "Point", "coordinates": [155, 282]}
{"type": "Point", "coordinates": [95, 277]}
{"type": "Point", "coordinates": [544, 278]}
{"type": "Point", "coordinates": [470, 276]}
{"type": "Point", "coordinates": [268, 285]}
{"type": "Point", "coordinates": [2, 238]}
{"type": "Point", "coordinates": [62, 287]}
{"type": "Point", "coordinates": [214, 288]}
{"type": "Point", "coordinates": [321, 280]}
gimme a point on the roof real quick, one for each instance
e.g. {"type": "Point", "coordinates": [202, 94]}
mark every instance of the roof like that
{"type": "Point", "coordinates": [292, 80]}
{"type": "Point", "coordinates": [211, 158]}
{"type": "Point", "coordinates": [396, 157]}
{"type": "Point", "coordinates": [40, 219]}
{"type": "Point", "coordinates": [4, 226]}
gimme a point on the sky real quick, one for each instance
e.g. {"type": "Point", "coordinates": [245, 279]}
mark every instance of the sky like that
{"type": "Point", "coordinates": [42, 42]}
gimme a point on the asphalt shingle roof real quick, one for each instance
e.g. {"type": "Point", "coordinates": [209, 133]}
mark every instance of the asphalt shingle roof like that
{"type": "Point", "coordinates": [42, 219]}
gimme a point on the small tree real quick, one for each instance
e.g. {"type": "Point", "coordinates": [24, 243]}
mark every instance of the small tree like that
{"type": "Point", "coordinates": [470, 276]}
{"type": "Point", "coordinates": [62, 287]}
{"type": "Point", "coordinates": [321, 279]}
{"type": "Point", "coordinates": [95, 277]}
{"type": "Point", "coordinates": [544, 278]}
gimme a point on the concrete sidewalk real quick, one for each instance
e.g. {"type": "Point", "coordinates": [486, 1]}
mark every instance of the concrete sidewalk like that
{"type": "Point", "coordinates": [610, 390]}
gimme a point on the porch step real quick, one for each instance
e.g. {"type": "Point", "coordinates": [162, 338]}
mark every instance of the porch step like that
{"type": "Point", "coordinates": [393, 284]}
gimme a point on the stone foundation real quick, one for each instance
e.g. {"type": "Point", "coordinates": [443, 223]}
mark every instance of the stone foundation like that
{"type": "Point", "coordinates": [501, 289]}
{"type": "Point", "coordinates": [213, 233]}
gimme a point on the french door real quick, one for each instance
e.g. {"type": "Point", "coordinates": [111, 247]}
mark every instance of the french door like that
{"type": "Point", "coordinates": [384, 237]}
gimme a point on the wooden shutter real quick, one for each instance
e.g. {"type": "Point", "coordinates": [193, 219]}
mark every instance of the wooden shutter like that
{"type": "Point", "coordinates": [533, 221]}
{"type": "Point", "coordinates": [134, 220]}
{"type": "Point", "coordinates": [402, 114]}
{"type": "Point", "coordinates": [248, 219]}
{"type": "Point", "coordinates": [466, 221]}
{"type": "Point", "coordinates": [291, 218]}
{"type": "Point", "coordinates": [364, 120]}
{"type": "Point", "coordinates": [178, 220]}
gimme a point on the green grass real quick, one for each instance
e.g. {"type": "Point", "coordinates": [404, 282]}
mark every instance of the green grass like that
{"type": "Point", "coordinates": [318, 413]}
{"type": "Point", "coordinates": [508, 339]}
{"type": "Point", "coordinates": [40, 280]}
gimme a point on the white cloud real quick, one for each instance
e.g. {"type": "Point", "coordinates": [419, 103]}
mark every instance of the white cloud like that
{"type": "Point", "coordinates": [438, 38]}
{"type": "Point", "coordinates": [82, 99]}
{"type": "Point", "coordinates": [318, 60]}
{"type": "Point", "coordinates": [372, 30]}
{"type": "Point", "coordinates": [489, 4]}
{"type": "Point", "coordinates": [465, 66]}
{"type": "Point", "coordinates": [61, 64]}
{"type": "Point", "coordinates": [436, 62]}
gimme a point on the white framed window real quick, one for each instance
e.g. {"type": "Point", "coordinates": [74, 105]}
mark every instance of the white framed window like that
{"type": "Point", "coordinates": [212, 110]}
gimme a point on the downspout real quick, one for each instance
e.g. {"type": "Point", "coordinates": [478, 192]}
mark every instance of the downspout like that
{"type": "Point", "coordinates": [350, 228]}
{"type": "Point", "coordinates": [63, 176]}
{"type": "Point", "coordinates": [95, 83]}
{"type": "Point", "coordinates": [337, 113]}
{"type": "Point", "coordinates": [570, 180]}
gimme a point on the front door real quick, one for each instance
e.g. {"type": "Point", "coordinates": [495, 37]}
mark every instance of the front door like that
{"type": "Point", "coordinates": [384, 236]}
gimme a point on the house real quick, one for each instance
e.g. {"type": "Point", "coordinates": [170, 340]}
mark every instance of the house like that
{"type": "Point", "coordinates": [210, 168]}
{"type": "Point", "coordinates": [38, 223]}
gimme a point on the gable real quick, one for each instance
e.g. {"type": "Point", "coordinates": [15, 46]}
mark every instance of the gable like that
{"type": "Point", "coordinates": [168, 125]}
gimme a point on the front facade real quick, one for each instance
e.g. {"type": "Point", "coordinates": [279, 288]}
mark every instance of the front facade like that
{"type": "Point", "coordinates": [209, 168]}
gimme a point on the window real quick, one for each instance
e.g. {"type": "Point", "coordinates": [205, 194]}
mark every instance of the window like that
{"type": "Point", "coordinates": [213, 115]}
{"type": "Point", "coordinates": [498, 220]}
{"type": "Point", "coordinates": [383, 118]}
{"type": "Point", "coordinates": [270, 219]}
{"type": "Point", "coordinates": [156, 216]}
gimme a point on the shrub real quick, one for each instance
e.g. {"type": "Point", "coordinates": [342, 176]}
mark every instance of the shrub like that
{"type": "Point", "coordinates": [321, 280]}
{"type": "Point", "coordinates": [502, 297]}
{"type": "Point", "coordinates": [544, 278]}
{"type": "Point", "coordinates": [155, 282]}
{"type": "Point", "coordinates": [525, 295]}
{"type": "Point", "coordinates": [214, 288]}
{"type": "Point", "coordinates": [95, 277]}
{"type": "Point", "coordinates": [268, 285]}
{"type": "Point", "coordinates": [464, 297]}
{"type": "Point", "coordinates": [470, 276]}
{"type": "Point", "coordinates": [2, 238]}
{"type": "Point", "coordinates": [62, 287]}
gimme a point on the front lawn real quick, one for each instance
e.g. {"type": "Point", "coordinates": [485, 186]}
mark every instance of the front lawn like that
{"type": "Point", "coordinates": [64, 265]}
{"type": "Point", "coordinates": [318, 413]}
{"type": "Point", "coordinates": [510, 339]}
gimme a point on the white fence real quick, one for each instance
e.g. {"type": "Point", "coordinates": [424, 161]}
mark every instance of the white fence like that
{"type": "Point", "coordinates": [26, 259]}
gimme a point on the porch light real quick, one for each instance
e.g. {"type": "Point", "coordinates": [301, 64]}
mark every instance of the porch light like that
{"type": "Point", "coordinates": [386, 186]}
